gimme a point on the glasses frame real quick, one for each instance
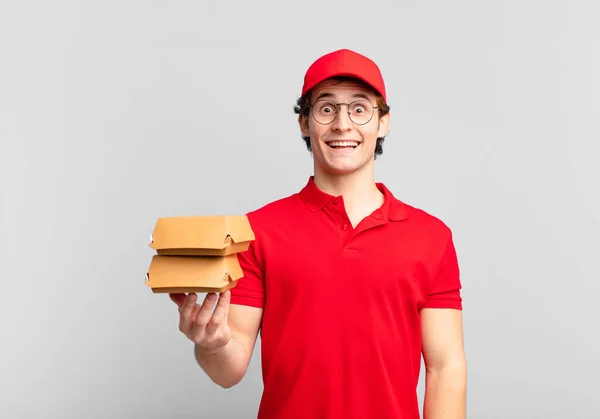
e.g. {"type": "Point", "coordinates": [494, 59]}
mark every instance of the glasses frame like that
{"type": "Point", "coordinates": [337, 111]}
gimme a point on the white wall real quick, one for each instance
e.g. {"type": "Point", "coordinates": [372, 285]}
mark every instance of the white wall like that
{"type": "Point", "coordinates": [115, 113]}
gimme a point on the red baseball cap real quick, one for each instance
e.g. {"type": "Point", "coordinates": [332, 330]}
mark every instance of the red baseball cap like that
{"type": "Point", "coordinates": [344, 62]}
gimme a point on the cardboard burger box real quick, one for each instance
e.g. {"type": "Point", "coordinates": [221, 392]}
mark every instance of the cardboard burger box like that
{"type": "Point", "coordinates": [183, 274]}
{"type": "Point", "coordinates": [197, 253]}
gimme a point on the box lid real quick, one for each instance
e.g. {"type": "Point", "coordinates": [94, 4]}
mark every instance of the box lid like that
{"type": "Point", "coordinates": [201, 232]}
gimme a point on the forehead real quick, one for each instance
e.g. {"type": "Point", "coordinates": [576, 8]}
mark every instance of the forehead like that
{"type": "Point", "coordinates": [342, 90]}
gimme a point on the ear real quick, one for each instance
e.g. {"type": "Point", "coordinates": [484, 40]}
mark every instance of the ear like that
{"type": "Point", "coordinates": [384, 124]}
{"type": "Point", "coordinates": [303, 122]}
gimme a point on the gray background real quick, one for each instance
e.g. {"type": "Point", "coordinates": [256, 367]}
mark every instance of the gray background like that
{"type": "Point", "coordinates": [115, 113]}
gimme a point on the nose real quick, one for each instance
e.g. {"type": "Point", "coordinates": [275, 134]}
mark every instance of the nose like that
{"type": "Point", "coordinates": [342, 122]}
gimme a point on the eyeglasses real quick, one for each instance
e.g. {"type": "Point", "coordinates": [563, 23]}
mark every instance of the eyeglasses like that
{"type": "Point", "coordinates": [360, 111]}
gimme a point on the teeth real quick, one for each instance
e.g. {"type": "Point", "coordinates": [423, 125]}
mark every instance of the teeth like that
{"type": "Point", "coordinates": [343, 143]}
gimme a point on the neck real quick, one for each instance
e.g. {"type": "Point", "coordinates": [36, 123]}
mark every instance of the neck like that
{"type": "Point", "coordinates": [358, 189]}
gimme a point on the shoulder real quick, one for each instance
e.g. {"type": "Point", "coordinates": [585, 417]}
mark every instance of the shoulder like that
{"type": "Point", "coordinates": [426, 220]}
{"type": "Point", "coordinates": [275, 215]}
{"type": "Point", "coordinates": [430, 236]}
{"type": "Point", "coordinates": [275, 208]}
{"type": "Point", "coordinates": [273, 222]}
{"type": "Point", "coordinates": [415, 219]}
{"type": "Point", "coordinates": [425, 227]}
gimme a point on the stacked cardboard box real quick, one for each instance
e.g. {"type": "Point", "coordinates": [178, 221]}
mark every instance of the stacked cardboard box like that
{"type": "Point", "coordinates": [197, 253]}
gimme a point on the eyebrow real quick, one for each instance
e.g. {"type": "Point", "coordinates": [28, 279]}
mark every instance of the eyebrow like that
{"type": "Point", "coordinates": [329, 95]}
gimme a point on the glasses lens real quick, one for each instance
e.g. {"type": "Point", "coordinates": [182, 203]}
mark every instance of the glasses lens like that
{"type": "Point", "coordinates": [324, 112]}
{"type": "Point", "coordinates": [359, 111]}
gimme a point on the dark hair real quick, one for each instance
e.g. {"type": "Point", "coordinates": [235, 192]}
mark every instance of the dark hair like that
{"type": "Point", "coordinates": [301, 108]}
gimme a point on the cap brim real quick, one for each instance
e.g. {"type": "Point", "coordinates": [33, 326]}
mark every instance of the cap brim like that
{"type": "Point", "coordinates": [312, 85]}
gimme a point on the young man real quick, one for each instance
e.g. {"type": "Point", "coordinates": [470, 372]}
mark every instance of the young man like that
{"type": "Point", "coordinates": [347, 285]}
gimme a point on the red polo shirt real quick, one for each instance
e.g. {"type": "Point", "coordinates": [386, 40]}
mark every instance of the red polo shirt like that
{"type": "Point", "coordinates": [340, 335]}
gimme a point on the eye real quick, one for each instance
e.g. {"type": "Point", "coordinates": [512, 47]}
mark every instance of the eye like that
{"type": "Point", "coordinates": [326, 108]}
{"type": "Point", "coordinates": [360, 107]}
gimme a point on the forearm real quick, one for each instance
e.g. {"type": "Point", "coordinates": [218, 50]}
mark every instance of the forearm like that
{"type": "Point", "coordinates": [445, 393]}
{"type": "Point", "coordinates": [225, 366]}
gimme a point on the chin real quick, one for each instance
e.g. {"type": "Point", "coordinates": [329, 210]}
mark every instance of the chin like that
{"type": "Point", "coordinates": [341, 169]}
{"type": "Point", "coordinates": [340, 165]}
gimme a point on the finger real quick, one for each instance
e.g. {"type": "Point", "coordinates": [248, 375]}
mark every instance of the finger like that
{"type": "Point", "coordinates": [185, 316]}
{"type": "Point", "coordinates": [203, 316]}
{"type": "Point", "coordinates": [222, 309]}
{"type": "Point", "coordinates": [178, 298]}
{"type": "Point", "coordinates": [219, 316]}
{"type": "Point", "coordinates": [195, 310]}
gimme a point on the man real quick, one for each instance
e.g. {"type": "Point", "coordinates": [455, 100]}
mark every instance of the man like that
{"type": "Point", "coordinates": [347, 285]}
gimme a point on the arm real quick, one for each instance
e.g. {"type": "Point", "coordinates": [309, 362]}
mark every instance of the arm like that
{"type": "Point", "coordinates": [445, 364]}
{"type": "Point", "coordinates": [225, 349]}
{"type": "Point", "coordinates": [223, 341]}
{"type": "Point", "coordinates": [227, 365]}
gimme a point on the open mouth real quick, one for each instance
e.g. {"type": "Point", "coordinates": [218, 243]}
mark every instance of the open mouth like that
{"type": "Point", "coordinates": [343, 144]}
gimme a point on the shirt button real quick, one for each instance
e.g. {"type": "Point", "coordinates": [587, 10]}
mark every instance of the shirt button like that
{"type": "Point", "coordinates": [345, 226]}
{"type": "Point", "coordinates": [335, 201]}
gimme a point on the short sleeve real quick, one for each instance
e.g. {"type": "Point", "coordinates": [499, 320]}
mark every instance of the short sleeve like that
{"type": "Point", "coordinates": [445, 287]}
{"type": "Point", "coordinates": [249, 289]}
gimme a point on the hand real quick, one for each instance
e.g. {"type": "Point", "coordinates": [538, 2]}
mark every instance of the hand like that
{"type": "Point", "coordinates": [196, 322]}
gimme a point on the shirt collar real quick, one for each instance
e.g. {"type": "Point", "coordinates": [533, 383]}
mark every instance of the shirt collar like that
{"type": "Point", "coordinates": [315, 199]}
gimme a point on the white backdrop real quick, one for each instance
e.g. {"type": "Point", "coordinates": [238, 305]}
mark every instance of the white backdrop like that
{"type": "Point", "coordinates": [114, 113]}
